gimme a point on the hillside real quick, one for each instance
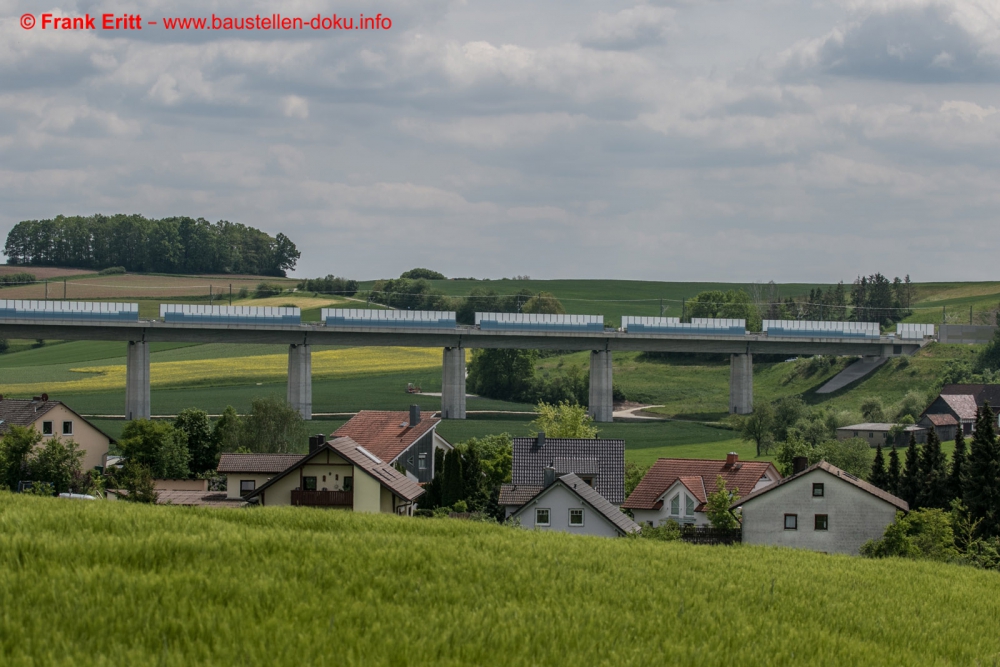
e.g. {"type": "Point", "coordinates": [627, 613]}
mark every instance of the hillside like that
{"type": "Point", "coordinates": [113, 584]}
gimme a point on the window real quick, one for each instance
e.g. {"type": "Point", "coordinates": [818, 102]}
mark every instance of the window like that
{"type": "Point", "coordinates": [821, 522]}
{"type": "Point", "coordinates": [818, 490]}
{"type": "Point", "coordinates": [67, 428]}
{"type": "Point", "coordinates": [308, 483]}
{"type": "Point", "coordinates": [870, 435]}
{"type": "Point", "coordinates": [588, 480]}
{"type": "Point", "coordinates": [46, 428]}
{"type": "Point", "coordinates": [422, 462]}
{"type": "Point", "coordinates": [541, 517]}
{"type": "Point", "coordinates": [576, 517]}
{"type": "Point", "coordinates": [791, 522]}
{"type": "Point", "coordinates": [675, 506]}
{"type": "Point", "coordinates": [348, 483]}
{"type": "Point", "coordinates": [247, 486]}
{"type": "Point", "coordinates": [689, 505]}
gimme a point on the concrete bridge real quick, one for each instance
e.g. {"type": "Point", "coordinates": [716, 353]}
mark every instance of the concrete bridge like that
{"type": "Point", "coordinates": [137, 335]}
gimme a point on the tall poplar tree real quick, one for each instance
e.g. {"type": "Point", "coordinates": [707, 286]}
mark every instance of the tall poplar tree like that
{"type": "Point", "coordinates": [879, 477]}
{"type": "Point", "coordinates": [454, 483]}
{"type": "Point", "coordinates": [933, 491]}
{"type": "Point", "coordinates": [982, 478]}
{"type": "Point", "coordinates": [958, 465]}
{"type": "Point", "coordinates": [910, 482]}
{"type": "Point", "coordinates": [892, 473]}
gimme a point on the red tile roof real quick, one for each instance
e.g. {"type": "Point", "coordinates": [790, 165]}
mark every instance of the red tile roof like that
{"type": "Point", "coordinates": [266, 464]}
{"type": "Point", "coordinates": [385, 433]}
{"type": "Point", "coordinates": [942, 420]}
{"type": "Point", "coordinates": [899, 503]}
{"type": "Point", "coordinates": [743, 476]}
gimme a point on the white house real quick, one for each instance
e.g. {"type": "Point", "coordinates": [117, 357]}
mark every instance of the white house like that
{"type": "Point", "coordinates": [570, 505]}
{"type": "Point", "coordinates": [821, 508]}
{"type": "Point", "coordinates": [679, 488]}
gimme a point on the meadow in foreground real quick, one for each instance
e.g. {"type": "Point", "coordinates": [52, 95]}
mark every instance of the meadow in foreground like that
{"type": "Point", "coordinates": [116, 584]}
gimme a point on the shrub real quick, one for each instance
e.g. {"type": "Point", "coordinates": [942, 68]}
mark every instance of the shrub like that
{"type": "Point", "coordinates": [112, 271]}
{"type": "Point", "coordinates": [4, 345]}
{"type": "Point", "coordinates": [924, 533]}
{"type": "Point", "coordinates": [17, 279]}
{"type": "Point", "coordinates": [266, 289]}
{"type": "Point", "coordinates": [668, 531]}
{"type": "Point", "coordinates": [426, 274]}
{"type": "Point", "coordinates": [331, 284]}
{"type": "Point", "coordinates": [243, 293]}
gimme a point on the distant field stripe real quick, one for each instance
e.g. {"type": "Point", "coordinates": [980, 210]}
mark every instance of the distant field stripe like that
{"type": "Point", "coordinates": [243, 370]}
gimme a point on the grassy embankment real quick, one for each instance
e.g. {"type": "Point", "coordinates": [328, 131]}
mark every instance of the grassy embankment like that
{"type": "Point", "coordinates": [115, 584]}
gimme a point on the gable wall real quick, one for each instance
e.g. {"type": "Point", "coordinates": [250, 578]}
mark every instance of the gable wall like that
{"type": "Point", "coordinates": [558, 499]}
{"type": "Point", "coordinates": [91, 442]}
{"type": "Point", "coordinates": [855, 516]}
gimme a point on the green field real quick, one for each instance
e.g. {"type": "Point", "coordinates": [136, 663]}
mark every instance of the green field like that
{"type": "Point", "coordinates": [109, 584]}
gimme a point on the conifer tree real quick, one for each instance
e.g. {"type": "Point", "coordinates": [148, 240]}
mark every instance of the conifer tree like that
{"type": "Point", "coordinates": [909, 482]}
{"type": "Point", "coordinates": [933, 491]}
{"type": "Point", "coordinates": [981, 482]}
{"type": "Point", "coordinates": [892, 473]}
{"type": "Point", "coordinates": [958, 464]}
{"type": "Point", "coordinates": [879, 477]}
{"type": "Point", "coordinates": [454, 483]}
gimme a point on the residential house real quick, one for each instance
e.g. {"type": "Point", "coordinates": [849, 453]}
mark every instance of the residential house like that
{"type": "Point", "coordinates": [569, 504]}
{"type": "Point", "coordinates": [245, 472]}
{"type": "Point", "coordinates": [190, 492]}
{"type": "Point", "coordinates": [55, 419]}
{"type": "Point", "coordinates": [678, 489]}
{"type": "Point", "coordinates": [340, 474]}
{"type": "Point", "coordinates": [599, 462]}
{"type": "Point", "coordinates": [821, 508]}
{"type": "Point", "coordinates": [980, 394]}
{"type": "Point", "coordinates": [398, 438]}
{"type": "Point", "coordinates": [876, 434]}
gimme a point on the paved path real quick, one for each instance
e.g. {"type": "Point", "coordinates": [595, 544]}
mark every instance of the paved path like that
{"type": "Point", "coordinates": [852, 373]}
{"type": "Point", "coordinates": [630, 414]}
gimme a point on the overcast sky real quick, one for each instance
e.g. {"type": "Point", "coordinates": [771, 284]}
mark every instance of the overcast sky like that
{"type": "Point", "coordinates": [731, 140]}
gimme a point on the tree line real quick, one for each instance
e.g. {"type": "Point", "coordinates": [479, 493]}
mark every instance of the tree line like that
{"type": "Point", "coordinates": [167, 245]}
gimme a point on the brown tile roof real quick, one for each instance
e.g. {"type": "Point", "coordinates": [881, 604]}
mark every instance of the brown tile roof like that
{"type": "Point", "coordinates": [385, 433]}
{"type": "Point", "coordinates": [899, 503]}
{"type": "Point", "coordinates": [517, 494]}
{"type": "Point", "coordinates": [696, 485]}
{"type": "Point", "coordinates": [964, 405]}
{"type": "Point", "coordinates": [743, 476]}
{"type": "Point", "coordinates": [589, 495]}
{"type": "Point", "coordinates": [257, 463]}
{"type": "Point", "coordinates": [22, 412]}
{"type": "Point", "coordinates": [385, 474]}
{"type": "Point", "coordinates": [942, 420]}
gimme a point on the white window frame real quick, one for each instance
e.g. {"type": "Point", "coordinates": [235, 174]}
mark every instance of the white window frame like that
{"type": "Point", "coordinates": [689, 505]}
{"type": "Point", "coordinates": [548, 516]}
{"type": "Point", "coordinates": [677, 499]}
{"type": "Point", "coordinates": [52, 428]}
{"type": "Point", "coordinates": [422, 461]}
{"type": "Point", "coordinates": [70, 431]}
{"type": "Point", "coordinates": [570, 517]}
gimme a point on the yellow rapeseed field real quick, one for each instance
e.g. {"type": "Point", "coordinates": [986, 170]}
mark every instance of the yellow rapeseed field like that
{"type": "Point", "coordinates": [244, 370]}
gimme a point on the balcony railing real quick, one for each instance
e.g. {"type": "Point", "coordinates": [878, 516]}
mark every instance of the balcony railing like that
{"type": "Point", "coordinates": [323, 498]}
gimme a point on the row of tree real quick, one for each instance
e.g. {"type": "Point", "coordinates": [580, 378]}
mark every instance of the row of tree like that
{"type": "Point", "coordinates": [925, 479]}
{"type": "Point", "coordinates": [168, 245]}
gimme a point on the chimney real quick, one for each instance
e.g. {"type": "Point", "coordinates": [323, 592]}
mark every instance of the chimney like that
{"type": "Point", "coordinates": [414, 415]}
{"type": "Point", "coordinates": [731, 459]}
{"type": "Point", "coordinates": [799, 464]}
{"type": "Point", "coordinates": [541, 439]}
{"type": "Point", "coordinates": [548, 476]}
{"type": "Point", "coordinates": [316, 441]}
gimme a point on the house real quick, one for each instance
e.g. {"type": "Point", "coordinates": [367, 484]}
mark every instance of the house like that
{"type": "Point", "coordinates": [55, 419]}
{"type": "Point", "coordinates": [876, 434]}
{"type": "Point", "coordinates": [598, 462]}
{"type": "Point", "coordinates": [961, 407]}
{"type": "Point", "coordinates": [821, 508]}
{"type": "Point", "coordinates": [678, 489]}
{"type": "Point", "coordinates": [340, 474]}
{"type": "Point", "coordinates": [245, 472]}
{"type": "Point", "coordinates": [944, 424]}
{"type": "Point", "coordinates": [398, 438]}
{"type": "Point", "coordinates": [568, 504]}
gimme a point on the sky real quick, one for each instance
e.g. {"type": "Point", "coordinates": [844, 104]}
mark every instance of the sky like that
{"type": "Point", "coordinates": [709, 140]}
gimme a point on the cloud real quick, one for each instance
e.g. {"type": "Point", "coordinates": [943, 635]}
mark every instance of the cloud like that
{"type": "Point", "coordinates": [633, 28]}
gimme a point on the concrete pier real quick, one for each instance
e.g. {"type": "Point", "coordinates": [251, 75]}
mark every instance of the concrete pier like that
{"type": "Point", "coordinates": [300, 389]}
{"type": "Point", "coordinates": [740, 384]}
{"type": "Point", "coordinates": [601, 405]}
{"type": "Point", "coordinates": [137, 380]}
{"type": "Point", "coordinates": [453, 383]}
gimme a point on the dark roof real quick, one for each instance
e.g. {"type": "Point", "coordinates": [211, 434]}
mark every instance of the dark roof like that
{"type": "Point", "coordinates": [25, 412]}
{"type": "Point", "coordinates": [941, 420]}
{"type": "Point", "coordinates": [744, 476]}
{"type": "Point", "coordinates": [983, 393]}
{"type": "Point", "coordinates": [563, 466]}
{"type": "Point", "coordinates": [589, 495]}
{"type": "Point", "coordinates": [385, 433]}
{"type": "Point", "coordinates": [513, 494]}
{"type": "Point", "coordinates": [384, 473]}
{"type": "Point", "coordinates": [899, 503]}
{"type": "Point", "coordinates": [607, 457]}
{"type": "Point", "coordinates": [257, 463]}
